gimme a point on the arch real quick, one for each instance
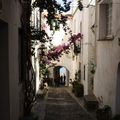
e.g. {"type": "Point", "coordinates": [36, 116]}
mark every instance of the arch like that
{"type": "Point", "coordinates": [61, 78]}
{"type": "Point", "coordinates": [118, 91]}
{"type": "Point", "coordinates": [63, 65]}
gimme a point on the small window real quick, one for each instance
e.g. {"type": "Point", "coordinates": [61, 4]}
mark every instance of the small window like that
{"type": "Point", "coordinates": [81, 27]}
{"type": "Point", "coordinates": [104, 20]}
{"type": "Point", "coordinates": [84, 72]}
{"type": "Point", "coordinates": [109, 18]}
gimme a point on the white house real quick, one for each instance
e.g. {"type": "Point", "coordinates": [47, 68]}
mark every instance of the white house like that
{"type": "Point", "coordinates": [107, 76]}
{"type": "Point", "coordinates": [83, 21]}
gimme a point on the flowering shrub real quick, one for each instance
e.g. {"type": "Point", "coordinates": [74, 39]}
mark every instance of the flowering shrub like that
{"type": "Point", "coordinates": [57, 52]}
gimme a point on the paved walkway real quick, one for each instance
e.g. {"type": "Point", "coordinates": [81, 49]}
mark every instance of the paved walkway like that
{"type": "Point", "coordinates": [60, 104]}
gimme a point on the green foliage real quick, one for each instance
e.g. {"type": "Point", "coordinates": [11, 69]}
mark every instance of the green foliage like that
{"type": "Point", "coordinates": [53, 9]}
{"type": "Point", "coordinates": [92, 67]}
{"type": "Point", "coordinates": [76, 49]}
{"type": "Point", "coordinates": [44, 70]}
{"type": "Point", "coordinates": [77, 75]}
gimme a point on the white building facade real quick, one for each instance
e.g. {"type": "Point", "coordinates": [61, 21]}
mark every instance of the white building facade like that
{"type": "Point", "coordinates": [107, 76]}
{"type": "Point", "coordinates": [83, 21]}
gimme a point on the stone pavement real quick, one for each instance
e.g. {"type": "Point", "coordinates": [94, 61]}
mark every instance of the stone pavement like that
{"type": "Point", "coordinates": [61, 104]}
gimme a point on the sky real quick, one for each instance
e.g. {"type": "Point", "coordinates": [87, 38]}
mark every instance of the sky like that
{"type": "Point", "coordinates": [58, 36]}
{"type": "Point", "coordinates": [62, 71]}
{"type": "Point", "coordinates": [91, 1]}
{"type": "Point", "coordinates": [61, 2]}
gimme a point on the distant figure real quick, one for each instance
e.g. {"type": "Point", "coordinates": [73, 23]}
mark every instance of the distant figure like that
{"type": "Point", "coordinates": [55, 81]}
{"type": "Point", "coordinates": [61, 79]}
{"type": "Point", "coordinates": [64, 78]}
{"type": "Point", "coordinates": [58, 80]}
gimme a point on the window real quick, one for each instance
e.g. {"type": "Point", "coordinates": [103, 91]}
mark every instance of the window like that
{"type": "Point", "coordinates": [104, 20]}
{"type": "Point", "coordinates": [84, 72]}
{"type": "Point", "coordinates": [109, 18]}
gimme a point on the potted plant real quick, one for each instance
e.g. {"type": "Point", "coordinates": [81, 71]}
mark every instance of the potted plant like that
{"type": "Point", "coordinates": [104, 113]}
{"type": "Point", "coordinates": [78, 89]}
{"type": "Point", "coordinates": [92, 67]}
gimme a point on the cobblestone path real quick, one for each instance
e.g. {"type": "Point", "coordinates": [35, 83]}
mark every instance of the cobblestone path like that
{"type": "Point", "coordinates": [61, 106]}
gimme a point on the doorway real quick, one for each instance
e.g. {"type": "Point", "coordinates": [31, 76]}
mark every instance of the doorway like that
{"type": "Point", "coordinates": [118, 91]}
{"type": "Point", "coordinates": [4, 71]}
{"type": "Point", "coordinates": [61, 76]}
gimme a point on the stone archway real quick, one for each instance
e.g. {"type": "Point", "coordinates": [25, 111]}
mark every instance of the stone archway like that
{"type": "Point", "coordinates": [118, 91]}
{"type": "Point", "coordinates": [57, 76]}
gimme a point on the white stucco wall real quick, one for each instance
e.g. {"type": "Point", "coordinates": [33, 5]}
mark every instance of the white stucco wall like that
{"type": "Point", "coordinates": [76, 23]}
{"type": "Point", "coordinates": [66, 61]}
{"type": "Point", "coordinates": [91, 48]}
{"type": "Point", "coordinates": [84, 54]}
{"type": "Point", "coordinates": [108, 58]}
{"type": "Point", "coordinates": [82, 22]}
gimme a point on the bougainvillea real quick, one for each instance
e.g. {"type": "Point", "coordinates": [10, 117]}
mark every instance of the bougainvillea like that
{"type": "Point", "coordinates": [57, 52]}
{"type": "Point", "coordinates": [52, 20]}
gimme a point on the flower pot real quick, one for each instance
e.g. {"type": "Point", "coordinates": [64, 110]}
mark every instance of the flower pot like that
{"type": "Point", "coordinates": [104, 113]}
{"type": "Point", "coordinates": [78, 89]}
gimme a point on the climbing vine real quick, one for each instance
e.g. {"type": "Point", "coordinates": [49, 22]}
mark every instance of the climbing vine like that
{"type": "Point", "coordinates": [32, 36]}
{"type": "Point", "coordinates": [54, 19]}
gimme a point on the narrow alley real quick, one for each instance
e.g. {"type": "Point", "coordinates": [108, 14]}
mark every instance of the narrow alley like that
{"type": "Point", "coordinates": [60, 59]}
{"type": "Point", "coordinates": [60, 105]}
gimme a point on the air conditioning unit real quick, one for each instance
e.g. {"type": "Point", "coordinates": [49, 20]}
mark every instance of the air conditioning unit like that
{"type": "Point", "coordinates": [0, 6]}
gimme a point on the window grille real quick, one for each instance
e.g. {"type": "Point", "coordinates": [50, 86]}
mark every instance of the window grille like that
{"type": "Point", "coordinates": [109, 18]}
{"type": "Point", "coordinates": [104, 20]}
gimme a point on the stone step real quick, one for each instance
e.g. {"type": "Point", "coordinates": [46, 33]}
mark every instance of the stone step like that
{"type": "Point", "coordinates": [91, 102]}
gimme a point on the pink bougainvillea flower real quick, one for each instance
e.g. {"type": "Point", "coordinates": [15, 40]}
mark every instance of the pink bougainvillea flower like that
{"type": "Point", "coordinates": [56, 52]}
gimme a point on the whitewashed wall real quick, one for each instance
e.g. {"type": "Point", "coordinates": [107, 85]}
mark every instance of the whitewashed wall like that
{"type": "Point", "coordinates": [108, 58]}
